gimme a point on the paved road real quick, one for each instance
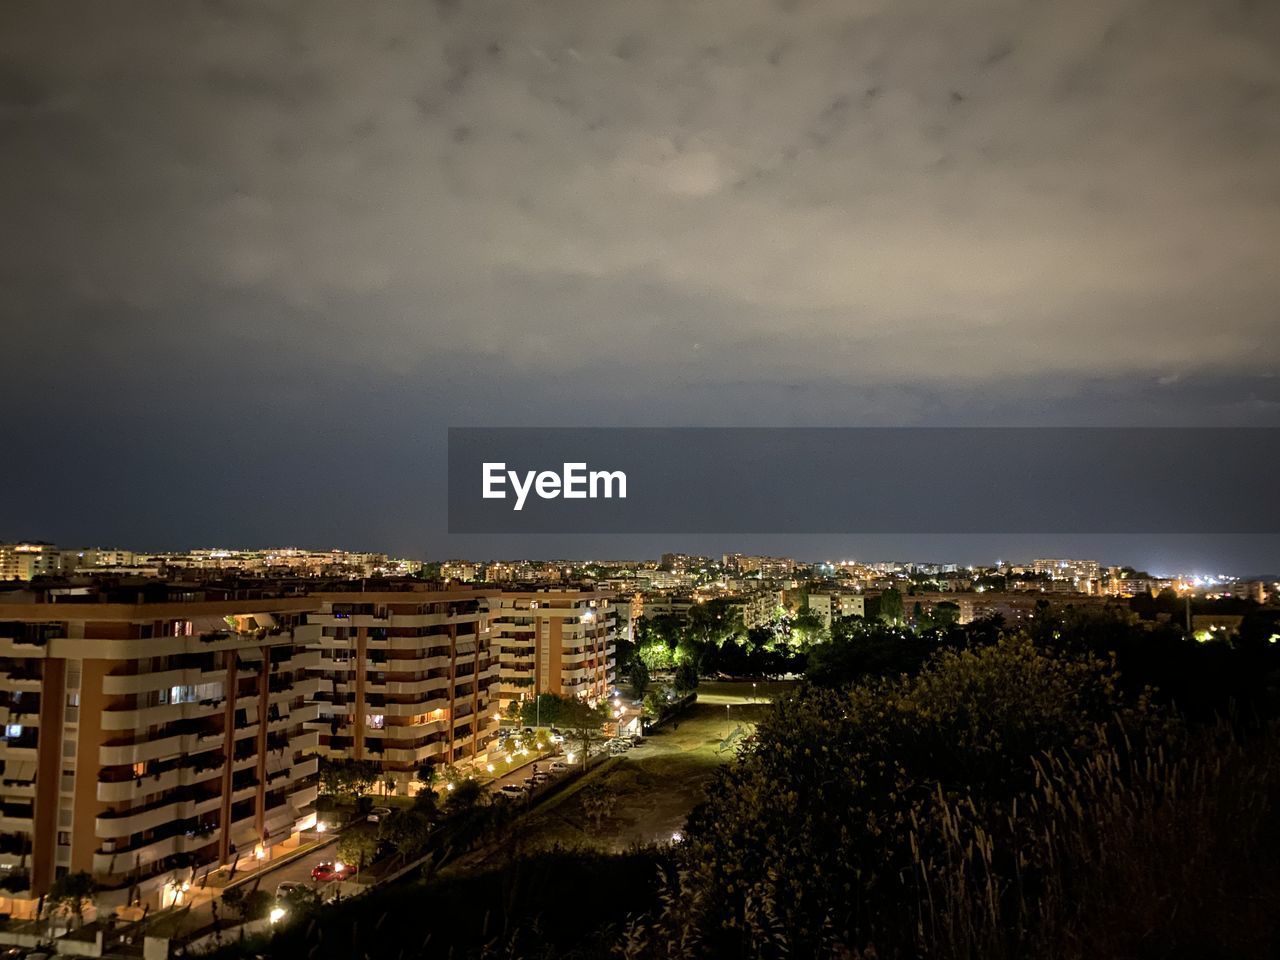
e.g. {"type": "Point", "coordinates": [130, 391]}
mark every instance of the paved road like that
{"type": "Point", "coordinates": [200, 916]}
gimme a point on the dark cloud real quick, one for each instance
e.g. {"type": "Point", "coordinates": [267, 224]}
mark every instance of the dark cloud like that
{"type": "Point", "coordinates": [731, 211]}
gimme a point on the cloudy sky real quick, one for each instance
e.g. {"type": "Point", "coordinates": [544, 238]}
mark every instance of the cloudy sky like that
{"type": "Point", "coordinates": [256, 257]}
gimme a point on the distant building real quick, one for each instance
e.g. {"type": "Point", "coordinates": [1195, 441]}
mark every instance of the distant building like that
{"type": "Point", "coordinates": [664, 579]}
{"type": "Point", "coordinates": [763, 568]}
{"type": "Point", "coordinates": [667, 606]}
{"type": "Point", "coordinates": [1085, 575]}
{"type": "Point", "coordinates": [460, 570]}
{"type": "Point", "coordinates": [829, 606]}
{"type": "Point", "coordinates": [29, 559]}
{"type": "Point", "coordinates": [760, 609]}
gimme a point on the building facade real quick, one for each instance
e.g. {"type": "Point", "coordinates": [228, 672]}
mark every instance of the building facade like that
{"type": "Point", "coordinates": [405, 677]}
{"type": "Point", "coordinates": [555, 641]}
{"type": "Point", "coordinates": [149, 742]}
{"type": "Point", "coordinates": [28, 560]}
{"type": "Point", "coordinates": [829, 606]}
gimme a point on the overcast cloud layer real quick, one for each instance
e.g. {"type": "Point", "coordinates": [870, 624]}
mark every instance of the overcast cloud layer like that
{"type": "Point", "coordinates": [239, 234]}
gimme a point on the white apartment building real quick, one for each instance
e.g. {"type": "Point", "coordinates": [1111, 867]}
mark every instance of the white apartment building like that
{"type": "Point", "coordinates": [829, 606]}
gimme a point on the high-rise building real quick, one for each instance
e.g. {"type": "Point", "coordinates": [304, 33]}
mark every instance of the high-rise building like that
{"type": "Point", "coordinates": [150, 738]}
{"type": "Point", "coordinates": [405, 677]}
{"type": "Point", "coordinates": [555, 641]}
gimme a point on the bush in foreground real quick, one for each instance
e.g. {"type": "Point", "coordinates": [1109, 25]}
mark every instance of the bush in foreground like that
{"type": "Point", "coordinates": [1005, 802]}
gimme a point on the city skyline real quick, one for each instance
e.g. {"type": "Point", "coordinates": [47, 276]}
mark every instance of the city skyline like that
{"type": "Point", "coordinates": [660, 546]}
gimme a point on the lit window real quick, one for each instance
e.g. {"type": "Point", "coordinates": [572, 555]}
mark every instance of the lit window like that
{"type": "Point", "coordinates": [13, 730]}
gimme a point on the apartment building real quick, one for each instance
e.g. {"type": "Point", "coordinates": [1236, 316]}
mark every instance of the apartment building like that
{"type": "Point", "coordinates": [151, 734]}
{"type": "Point", "coordinates": [764, 568]}
{"type": "Point", "coordinates": [555, 641]}
{"type": "Point", "coordinates": [761, 608]}
{"type": "Point", "coordinates": [829, 606]}
{"type": "Point", "coordinates": [29, 559]}
{"type": "Point", "coordinates": [405, 677]}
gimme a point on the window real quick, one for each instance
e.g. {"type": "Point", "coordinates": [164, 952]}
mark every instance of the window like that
{"type": "Point", "coordinates": [375, 721]}
{"type": "Point", "coordinates": [13, 730]}
{"type": "Point", "coordinates": [73, 699]}
{"type": "Point", "coordinates": [139, 769]}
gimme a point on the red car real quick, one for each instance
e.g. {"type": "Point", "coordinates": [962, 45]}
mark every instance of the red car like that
{"type": "Point", "coordinates": [324, 872]}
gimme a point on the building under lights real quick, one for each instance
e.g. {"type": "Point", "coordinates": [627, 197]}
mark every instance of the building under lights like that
{"type": "Point", "coordinates": [555, 641]}
{"type": "Point", "coordinates": [151, 735]}
{"type": "Point", "coordinates": [405, 677]}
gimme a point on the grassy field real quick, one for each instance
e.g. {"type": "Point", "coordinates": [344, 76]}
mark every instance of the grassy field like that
{"type": "Point", "coordinates": [656, 785]}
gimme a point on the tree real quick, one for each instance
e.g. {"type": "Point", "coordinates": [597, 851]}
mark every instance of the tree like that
{"type": "Point", "coordinates": [806, 628]}
{"type": "Point", "coordinates": [358, 844]}
{"type": "Point", "coordinates": [69, 893]}
{"type": "Point", "coordinates": [547, 709]}
{"type": "Point", "coordinates": [686, 678]}
{"type": "Point", "coordinates": [248, 904]}
{"type": "Point", "coordinates": [835, 799]}
{"type": "Point", "coordinates": [345, 778]}
{"type": "Point", "coordinates": [428, 774]}
{"type": "Point", "coordinates": [654, 705]}
{"type": "Point", "coordinates": [408, 832]}
{"type": "Point", "coordinates": [891, 606]}
{"type": "Point", "coordinates": [584, 723]}
{"type": "Point", "coordinates": [464, 797]}
{"type": "Point", "coordinates": [946, 614]}
{"type": "Point", "coordinates": [301, 900]}
{"type": "Point", "coordinates": [656, 655]}
{"type": "Point", "coordinates": [638, 674]}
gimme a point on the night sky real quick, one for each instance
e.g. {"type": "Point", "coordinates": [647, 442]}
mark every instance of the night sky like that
{"type": "Point", "coordinates": [256, 258]}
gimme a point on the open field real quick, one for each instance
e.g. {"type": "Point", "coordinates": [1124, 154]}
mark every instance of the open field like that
{"type": "Point", "coordinates": [657, 784]}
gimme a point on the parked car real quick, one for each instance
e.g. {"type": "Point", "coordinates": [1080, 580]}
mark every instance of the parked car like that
{"type": "Point", "coordinates": [330, 870]}
{"type": "Point", "coordinates": [512, 791]}
{"type": "Point", "coordinates": [539, 778]}
{"type": "Point", "coordinates": [287, 887]}
{"type": "Point", "coordinates": [378, 814]}
{"type": "Point", "coordinates": [558, 766]}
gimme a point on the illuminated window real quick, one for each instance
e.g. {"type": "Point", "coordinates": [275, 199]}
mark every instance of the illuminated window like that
{"type": "Point", "coordinates": [13, 730]}
{"type": "Point", "coordinates": [375, 721]}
